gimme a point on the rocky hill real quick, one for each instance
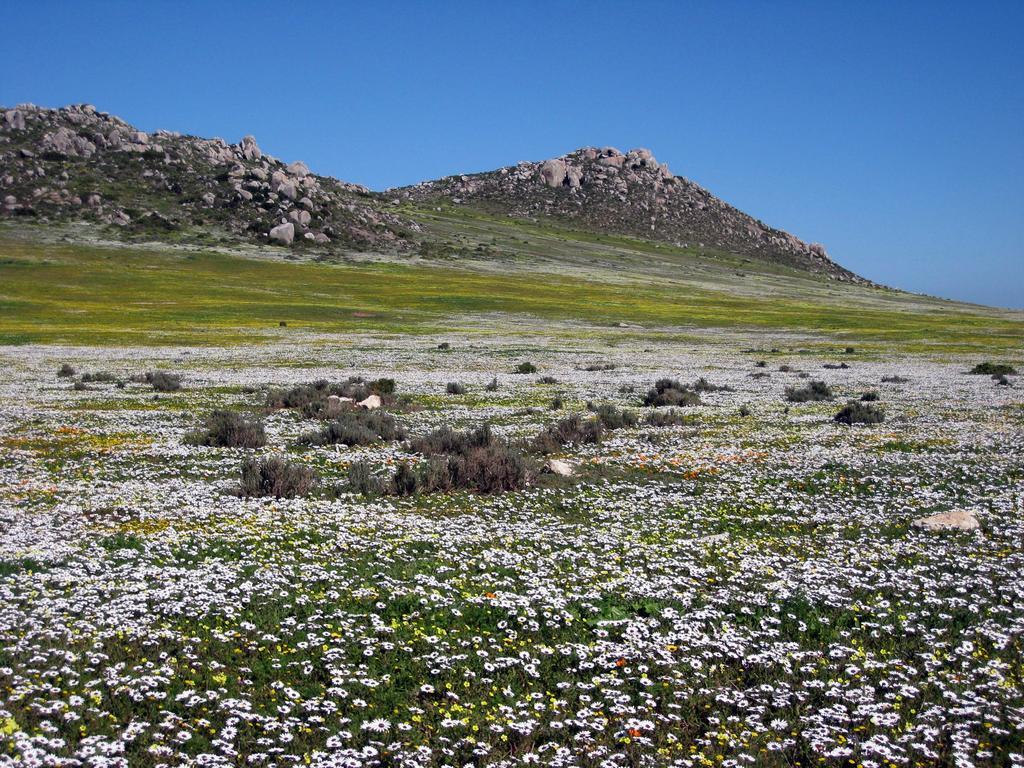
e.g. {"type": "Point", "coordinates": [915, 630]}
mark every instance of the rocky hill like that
{"type": "Point", "coordinates": [607, 191]}
{"type": "Point", "coordinates": [77, 163]}
{"type": "Point", "coordinates": [80, 164]}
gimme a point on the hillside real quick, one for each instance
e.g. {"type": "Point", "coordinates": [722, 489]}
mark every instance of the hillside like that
{"type": "Point", "coordinates": [78, 164]}
{"type": "Point", "coordinates": [604, 190]}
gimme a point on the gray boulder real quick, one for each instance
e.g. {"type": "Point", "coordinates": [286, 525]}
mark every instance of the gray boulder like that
{"type": "Point", "coordinates": [283, 233]}
{"type": "Point", "coordinates": [552, 172]}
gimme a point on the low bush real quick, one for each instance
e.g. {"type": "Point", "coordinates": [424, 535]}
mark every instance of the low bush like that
{"type": "Point", "coordinates": [476, 460]}
{"type": "Point", "coordinates": [857, 412]}
{"type": "Point", "coordinates": [761, 364]}
{"type": "Point", "coordinates": [361, 479]}
{"type": "Point", "coordinates": [455, 388]}
{"type": "Point", "coordinates": [869, 397]}
{"type": "Point", "coordinates": [525, 367]}
{"type": "Point", "coordinates": [670, 417]}
{"type": "Point", "coordinates": [670, 393]}
{"type": "Point", "coordinates": [1001, 380]}
{"type": "Point", "coordinates": [615, 418]}
{"type": "Point", "coordinates": [816, 391]}
{"type": "Point", "coordinates": [275, 476]}
{"type": "Point", "coordinates": [444, 345]}
{"type": "Point", "coordinates": [760, 375]}
{"type": "Point", "coordinates": [836, 366]}
{"type": "Point", "coordinates": [311, 399]}
{"type": "Point", "coordinates": [894, 380]}
{"type": "Point", "coordinates": [744, 411]}
{"type": "Point", "coordinates": [79, 386]}
{"type": "Point", "coordinates": [703, 385]}
{"type": "Point", "coordinates": [162, 381]}
{"type": "Point", "coordinates": [228, 429]}
{"type": "Point", "coordinates": [786, 368]}
{"type": "Point", "coordinates": [492, 385]}
{"type": "Point", "coordinates": [547, 380]}
{"type": "Point", "coordinates": [993, 369]}
{"type": "Point", "coordinates": [105, 377]}
{"type": "Point", "coordinates": [356, 427]}
{"type": "Point", "coordinates": [572, 430]}
{"type": "Point", "coordinates": [600, 367]}
{"type": "Point", "coordinates": [65, 371]}
{"type": "Point", "coordinates": [556, 403]}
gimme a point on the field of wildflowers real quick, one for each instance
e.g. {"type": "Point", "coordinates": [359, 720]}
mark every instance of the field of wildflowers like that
{"type": "Point", "coordinates": [743, 586]}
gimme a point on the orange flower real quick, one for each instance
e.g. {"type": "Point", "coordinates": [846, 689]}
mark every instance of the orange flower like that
{"type": "Point", "coordinates": [490, 595]}
{"type": "Point", "coordinates": [634, 732]}
{"type": "Point", "coordinates": [620, 663]}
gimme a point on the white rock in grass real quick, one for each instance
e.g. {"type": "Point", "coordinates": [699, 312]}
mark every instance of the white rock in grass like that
{"type": "Point", "coordinates": [559, 467]}
{"type": "Point", "coordinates": [370, 403]}
{"type": "Point", "coordinates": [958, 520]}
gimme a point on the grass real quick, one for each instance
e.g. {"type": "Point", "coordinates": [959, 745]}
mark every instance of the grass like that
{"type": "Point", "coordinates": [107, 296]}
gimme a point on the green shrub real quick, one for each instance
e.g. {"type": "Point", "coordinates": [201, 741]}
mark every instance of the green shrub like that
{"type": "Point", "coordinates": [600, 367]}
{"type": "Point", "coordinates": [228, 429]}
{"type": "Point", "coordinates": [547, 380]}
{"type": "Point", "coordinates": [356, 427]}
{"type": "Point", "coordinates": [162, 381]}
{"type": "Point", "coordinates": [894, 380]}
{"type": "Point", "coordinates": [444, 345]}
{"type": "Point", "coordinates": [816, 391]}
{"type": "Point", "coordinates": [703, 385]}
{"type": "Point", "coordinates": [526, 367]}
{"type": "Point", "coordinates": [65, 371]}
{"type": "Point", "coordinates": [993, 369]}
{"type": "Point", "coordinates": [105, 377]}
{"type": "Point", "coordinates": [1001, 380]}
{"type": "Point", "coordinates": [670, 393]}
{"type": "Point", "coordinates": [275, 476]}
{"type": "Point", "coordinates": [615, 418]}
{"type": "Point", "coordinates": [835, 366]}
{"type": "Point", "coordinates": [361, 479]}
{"type": "Point", "coordinates": [455, 388]}
{"type": "Point", "coordinates": [670, 417]}
{"type": "Point", "coordinates": [572, 430]}
{"type": "Point", "coordinates": [492, 385]}
{"type": "Point", "coordinates": [556, 403]}
{"type": "Point", "coordinates": [476, 460]}
{"type": "Point", "coordinates": [869, 397]}
{"type": "Point", "coordinates": [311, 399]}
{"type": "Point", "coordinates": [744, 411]}
{"type": "Point", "coordinates": [857, 412]}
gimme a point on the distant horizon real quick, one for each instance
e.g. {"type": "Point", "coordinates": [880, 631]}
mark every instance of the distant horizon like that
{"type": "Point", "coordinates": [888, 134]}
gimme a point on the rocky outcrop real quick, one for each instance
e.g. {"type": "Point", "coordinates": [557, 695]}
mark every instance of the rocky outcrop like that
{"type": "Point", "coordinates": [80, 163]}
{"type": "Point", "coordinates": [628, 193]}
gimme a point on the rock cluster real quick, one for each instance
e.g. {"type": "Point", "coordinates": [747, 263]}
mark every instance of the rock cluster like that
{"type": "Point", "coordinates": [627, 193]}
{"type": "Point", "coordinates": [77, 162]}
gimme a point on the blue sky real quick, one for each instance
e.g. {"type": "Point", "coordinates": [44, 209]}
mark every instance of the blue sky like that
{"type": "Point", "coordinates": [891, 132]}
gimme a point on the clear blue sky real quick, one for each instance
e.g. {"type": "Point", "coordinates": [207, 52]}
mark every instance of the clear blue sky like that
{"type": "Point", "coordinates": [892, 132]}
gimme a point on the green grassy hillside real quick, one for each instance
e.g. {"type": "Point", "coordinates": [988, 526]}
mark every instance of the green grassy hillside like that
{"type": "Point", "coordinates": [60, 293]}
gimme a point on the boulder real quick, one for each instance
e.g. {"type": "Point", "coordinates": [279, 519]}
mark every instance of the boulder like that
{"type": "Point", "coordinates": [298, 168]}
{"type": "Point", "coordinates": [957, 520]}
{"type": "Point", "coordinates": [287, 189]}
{"type": "Point", "coordinates": [320, 238]}
{"type": "Point", "coordinates": [573, 176]}
{"type": "Point", "coordinates": [558, 467]}
{"type": "Point", "coordinates": [283, 233]}
{"type": "Point", "coordinates": [14, 120]}
{"type": "Point", "coordinates": [371, 403]}
{"type": "Point", "coordinates": [209, 198]}
{"type": "Point", "coordinates": [302, 218]}
{"type": "Point", "coordinates": [249, 149]}
{"type": "Point", "coordinates": [552, 172]}
{"type": "Point", "coordinates": [65, 142]}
